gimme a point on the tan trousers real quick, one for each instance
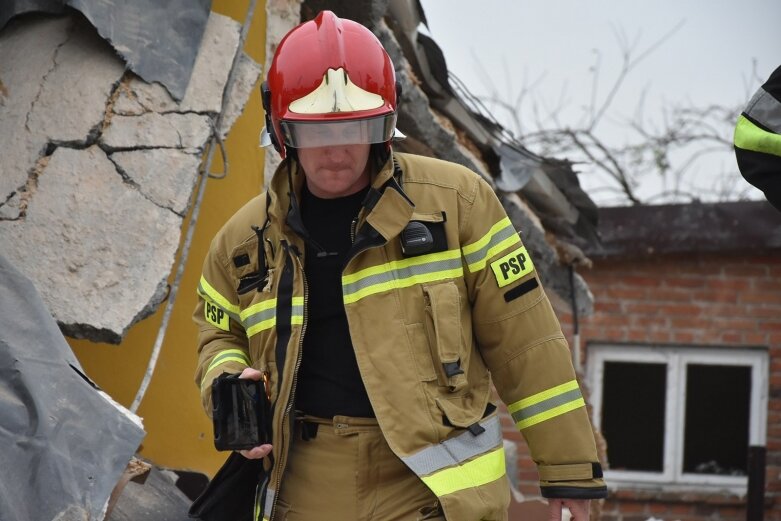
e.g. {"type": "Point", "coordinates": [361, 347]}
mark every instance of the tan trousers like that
{"type": "Point", "coordinates": [348, 472]}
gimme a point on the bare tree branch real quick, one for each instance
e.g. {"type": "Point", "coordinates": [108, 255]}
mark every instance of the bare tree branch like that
{"type": "Point", "coordinates": [666, 148]}
{"type": "Point", "coordinates": [628, 64]}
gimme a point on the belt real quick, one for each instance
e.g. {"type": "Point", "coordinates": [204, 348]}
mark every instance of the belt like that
{"type": "Point", "coordinates": [343, 425]}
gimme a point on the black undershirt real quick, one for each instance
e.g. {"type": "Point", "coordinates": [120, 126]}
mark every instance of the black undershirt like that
{"type": "Point", "coordinates": [329, 382]}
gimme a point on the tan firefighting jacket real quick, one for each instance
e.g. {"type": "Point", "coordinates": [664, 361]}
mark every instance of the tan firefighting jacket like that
{"type": "Point", "coordinates": [431, 333]}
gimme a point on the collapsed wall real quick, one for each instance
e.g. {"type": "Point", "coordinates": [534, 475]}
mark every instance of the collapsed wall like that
{"type": "Point", "coordinates": [99, 166]}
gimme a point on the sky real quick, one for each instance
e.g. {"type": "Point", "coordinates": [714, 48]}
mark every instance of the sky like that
{"type": "Point", "coordinates": [719, 52]}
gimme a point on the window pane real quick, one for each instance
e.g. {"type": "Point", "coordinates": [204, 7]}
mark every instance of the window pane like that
{"type": "Point", "coordinates": [717, 419]}
{"type": "Point", "coordinates": [633, 406]}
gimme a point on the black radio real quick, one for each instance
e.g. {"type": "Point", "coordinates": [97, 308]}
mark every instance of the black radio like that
{"type": "Point", "coordinates": [241, 413]}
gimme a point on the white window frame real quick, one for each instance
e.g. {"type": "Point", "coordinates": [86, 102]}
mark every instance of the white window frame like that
{"type": "Point", "coordinates": [676, 358]}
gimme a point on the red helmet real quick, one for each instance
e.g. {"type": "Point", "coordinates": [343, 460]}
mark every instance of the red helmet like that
{"type": "Point", "coordinates": [330, 83]}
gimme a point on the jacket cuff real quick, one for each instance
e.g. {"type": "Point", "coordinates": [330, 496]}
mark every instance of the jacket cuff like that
{"type": "Point", "coordinates": [572, 481]}
{"type": "Point", "coordinates": [595, 489]}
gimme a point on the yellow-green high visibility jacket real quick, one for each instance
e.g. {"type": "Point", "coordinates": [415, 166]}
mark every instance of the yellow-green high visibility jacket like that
{"type": "Point", "coordinates": [758, 139]}
{"type": "Point", "coordinates": [431, 332]}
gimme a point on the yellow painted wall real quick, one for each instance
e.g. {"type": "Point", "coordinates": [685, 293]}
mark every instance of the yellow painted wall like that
{"type": "Point", "coordinates": [179, 435]}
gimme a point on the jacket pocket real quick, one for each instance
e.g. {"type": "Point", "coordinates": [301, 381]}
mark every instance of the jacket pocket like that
{"type": "Point", "coordinates": [421, 354]}
{"type": "Point", "coordinates": [466, 409]}
{"type": "Point", "coordinates": [443, 328]}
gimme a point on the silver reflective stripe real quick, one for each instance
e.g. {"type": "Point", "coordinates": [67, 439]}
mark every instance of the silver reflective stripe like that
{"type": "Point", "coordinates": [765, 110]}
{"type": "Point", "coordinates": [297, 310]}
{"type": "Point", "coordinates": [269, 503]}
{"type": "Point", "coordinates": [546, 405]}
{"type": "Point", "coordinates": [401, 274]}
{"type": "Point", "coordinates": [480, 255]}
{"type": "Point", "coordinates": [256, 318]}
{"type": "Point", "coordinates": [456, 450]}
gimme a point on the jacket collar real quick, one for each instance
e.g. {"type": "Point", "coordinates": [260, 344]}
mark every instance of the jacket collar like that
{"type": "Point", "coordinates": [386, 208]}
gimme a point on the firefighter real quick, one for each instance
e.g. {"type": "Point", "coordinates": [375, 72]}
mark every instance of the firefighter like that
{"type": "Point", "coordinates": [380, 295]}
{"type": "Point", "coordinates": [758, 139]}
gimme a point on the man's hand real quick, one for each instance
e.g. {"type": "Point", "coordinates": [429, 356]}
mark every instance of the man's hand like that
{"type": "Point", "coordinates": [578, 507]}
{"type": "Point", "coordinates": [260, 451]}
{"type": "Point", "coordinates": [251, 374]}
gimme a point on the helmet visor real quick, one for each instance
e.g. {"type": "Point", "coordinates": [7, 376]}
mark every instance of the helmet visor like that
{"type": "Point", "coordinates": [308, 134]}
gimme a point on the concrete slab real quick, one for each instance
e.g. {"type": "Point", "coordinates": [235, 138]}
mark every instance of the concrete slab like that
{"type": "Point", "coordinates": [153, 130]}
{"type": "Point", "coordinates": [244, 81]}
{"type": "Point", "coordinates": [165, 177]}
{"type": "Point", "coordinates": [88, 237]}
{"type": "Point", "coordinates": [26, 55]}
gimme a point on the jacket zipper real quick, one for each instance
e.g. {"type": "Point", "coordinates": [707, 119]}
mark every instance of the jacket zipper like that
{"type": "Point", "coordinates": [353, 226]}
{"type": "Point", "coordinates": [368, 244]}
{"type": "Point", "coordinates": [283, 451]}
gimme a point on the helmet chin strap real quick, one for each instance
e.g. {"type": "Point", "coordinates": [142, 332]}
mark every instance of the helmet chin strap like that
{"type": "Point", "coordinates": [379, 154]}
{"type": "Point", "coordinates": [267, 135]}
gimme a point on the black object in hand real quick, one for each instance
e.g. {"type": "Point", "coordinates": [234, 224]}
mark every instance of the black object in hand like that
{"type": "Point", "coordinates": [241, 413]}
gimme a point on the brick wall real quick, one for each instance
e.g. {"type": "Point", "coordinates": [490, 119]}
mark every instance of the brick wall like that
{"type": "Point", "coordinates": [694, 300]}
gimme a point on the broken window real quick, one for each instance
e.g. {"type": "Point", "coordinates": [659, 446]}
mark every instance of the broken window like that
{"type": "Point", "coordinates": [633, 414]}
{"type": "Point", "coordinates": [679, 415]}
{"type": "Point", "coordinates": [717, 419]}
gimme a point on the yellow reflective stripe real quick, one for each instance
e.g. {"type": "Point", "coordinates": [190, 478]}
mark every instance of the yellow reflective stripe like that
{"type": "Point", "coordinates": [229, 355]}
{"type": "Point", "coordinates": [250, 317]}
{"type": "Point", "coordinates": [501, 236]}
{"type": "Point", "coordinates": [225, 360]}
{"type": "Point", "coordinates": [215, 296]}
{"type": "Point", "coordinates": [544, 395]}
{"type": "Point", "coordinates": [456, 450]}
{"type": "Point", "coordinates": [471, 248]}
{"type": "Point", "coordinates": [257, 308]}
{"type": "Point", "coordinates": [488, 467]}
{"type": "Point", "coordinates": [547, 404]}
{"type": "Point", "coordinates": [261, 326]}
{"type": "Point", "coordinates": [260, 316]}
{"type": "Point", "coordinates": [401, 274]}
{"type": "Point", "coordinates": [405, 283]}
{"type": "Point", "coordinates": [399, 264]}
{"type": "Point", "coordinates": [223, 357]}
{"type": "Point", "coordinates": [748, 136]}
{"type": "Point", "coordinates": [552, 413]}
{"type": "Point", "coordinates": [297, 311]}
{"type": "Point", "coordinates": [507, 243]}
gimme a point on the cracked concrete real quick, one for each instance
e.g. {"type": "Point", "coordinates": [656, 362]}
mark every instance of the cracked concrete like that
{"type": "Point", "coordinates": [153, 130]}
{"type": "Point", "coordinates": [204, 95]}
{"type": "Point", "coordinates": [86, 264]}
{"type": "Point", "coordinates": [38, 41]}
{"type": "Point", "coordinates": [99, 167]}
{"type": "Point", "coordinates": [164, 176]}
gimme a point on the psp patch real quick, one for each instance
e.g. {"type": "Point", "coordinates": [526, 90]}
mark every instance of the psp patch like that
{"type": "Point", "coordinates": [512, 266]}
{"type": "Point", "coordinates": [217, 316]}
